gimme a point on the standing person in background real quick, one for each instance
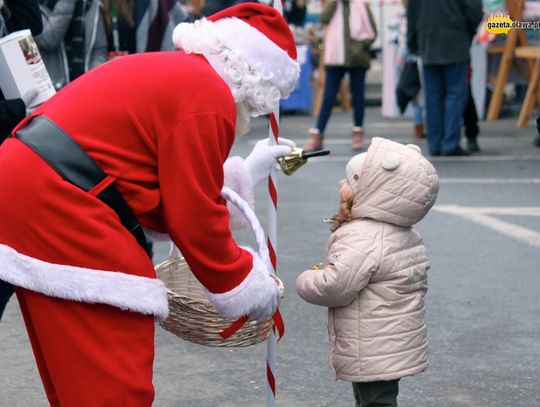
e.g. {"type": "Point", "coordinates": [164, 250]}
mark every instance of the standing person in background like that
{"type": "Point", "coordinates": [350, 31]}
{"type": "Point", "coordinates": [119, 19]}
{"type": "Point", "coordinates": [73, 40]}
{"type": "Point", "coordinates": [441, 32]}
{"type": "Point", "coordinates": [15, 15]}
{"type": "Point", "coordinates": [399, 28]}
{"type": "Point", "coordinates": [470, 118]}
{"type": "Point", "coordinates": [155, 21]}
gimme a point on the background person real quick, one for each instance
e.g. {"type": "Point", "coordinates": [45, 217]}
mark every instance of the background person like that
{"type": "Point", "coordinates": [350, 31]}
{"type": "Point", "coordinates": [441, 32]}
{"type": "Point", "coordinates": [73, 40]}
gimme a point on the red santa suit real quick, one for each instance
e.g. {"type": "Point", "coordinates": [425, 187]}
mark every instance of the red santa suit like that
{"type": "Point", "coordinates": [161, 126]}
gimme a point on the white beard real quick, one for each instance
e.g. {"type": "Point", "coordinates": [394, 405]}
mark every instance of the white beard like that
{"type": "Point", "coordinates": [242, 120]}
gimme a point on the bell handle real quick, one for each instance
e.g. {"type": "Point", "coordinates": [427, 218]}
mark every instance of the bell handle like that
{"type": "Point", "coordinates": [315, 153]}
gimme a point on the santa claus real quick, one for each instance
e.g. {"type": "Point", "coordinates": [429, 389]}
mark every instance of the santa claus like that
{"type": "Point", "coordinates": [160, 127]}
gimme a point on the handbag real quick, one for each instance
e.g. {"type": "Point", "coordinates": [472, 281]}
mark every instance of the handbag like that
{"type": "Point", "coordinates": [408, 85]}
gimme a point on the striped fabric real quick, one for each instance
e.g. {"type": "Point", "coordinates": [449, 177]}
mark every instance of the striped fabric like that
{"type": "Point", "coordinates": [74, 39]}
{"type": "Point", "coordinates": [3, 28]}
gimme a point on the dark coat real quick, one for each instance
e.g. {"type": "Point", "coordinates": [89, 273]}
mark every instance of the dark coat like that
{"type": "Point", "coordinates": [441, 31]}
{"type": "Point", "coordinates": [24, 14]}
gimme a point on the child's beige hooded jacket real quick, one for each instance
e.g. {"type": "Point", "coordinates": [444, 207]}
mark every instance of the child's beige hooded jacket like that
{"type": "Point", "coordinates": [375, 271]}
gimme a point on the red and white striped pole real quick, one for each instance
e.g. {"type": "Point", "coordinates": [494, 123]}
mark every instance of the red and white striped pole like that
{"type": "Point", "coordinates": [273, 133]}
{"type": "Point", "coordinates": [272, 249]}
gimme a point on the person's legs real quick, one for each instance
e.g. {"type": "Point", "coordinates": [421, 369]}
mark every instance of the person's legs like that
{"type": "Point", "coordinates": [6, 291]}
{"type": "Point", "coordinates": [470, 122]}
{"type": "Point", "coordinates": [455, 87]}
{"type": "Point", "coordinates": [418, 118]}
{"type": "Point", "coordinates": [376, 394]}
{"type": "Point", "coordinates": [332, 82]}
{"type": "Point", "coordinates": [536, 141]}
{"type": "Point", "coordinates": [357, 79]}
{"type": "Point", "coordinates": [434, 93]}
{"type": "Point", "coordinates": [90, 354]}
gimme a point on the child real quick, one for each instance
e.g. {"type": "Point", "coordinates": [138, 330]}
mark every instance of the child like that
{"type": "Point", "coordinates": [374, 276]}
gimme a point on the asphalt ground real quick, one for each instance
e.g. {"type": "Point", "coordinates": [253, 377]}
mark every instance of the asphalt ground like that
{"type": "Point", "coordinates": [483, 308]}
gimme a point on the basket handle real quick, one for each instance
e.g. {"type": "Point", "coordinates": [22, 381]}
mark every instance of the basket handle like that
{"type": "Point", "coordinates": [258, 232]}
{"type": "Point", "coordinates": [231, 196]}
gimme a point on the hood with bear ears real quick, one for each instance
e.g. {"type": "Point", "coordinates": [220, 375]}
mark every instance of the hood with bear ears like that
{"type": "Point", "coordinates": [393, 183]}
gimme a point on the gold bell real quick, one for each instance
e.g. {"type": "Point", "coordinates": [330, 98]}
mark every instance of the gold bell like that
{"type": "Point", "coordinates": [297, 158]}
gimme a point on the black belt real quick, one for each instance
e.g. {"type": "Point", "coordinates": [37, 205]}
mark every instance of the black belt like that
{"type": "Point", "coordinates": [73, 164]}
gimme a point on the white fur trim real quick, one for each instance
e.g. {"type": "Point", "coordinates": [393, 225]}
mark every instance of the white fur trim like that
{"type": "Point", "coordinates": [238, 35]}
{"type": "Point", "coordinates": [131, 293]}
{"type": "Point", "coordinates": [251, 294]}
{"type": "Point", "coordinates": [238, 179]}
{"type": "Point", "coordinates": [257, 71]}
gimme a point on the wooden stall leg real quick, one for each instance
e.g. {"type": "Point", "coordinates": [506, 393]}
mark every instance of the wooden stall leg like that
{"type": "Point", "coordinates": [526, 107]}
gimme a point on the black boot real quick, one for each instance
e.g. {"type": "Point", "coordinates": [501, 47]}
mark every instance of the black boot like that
{"type": "Point", "coordinates": [536, 141]}
{"type": "Point", "coordinates": [472, 145]}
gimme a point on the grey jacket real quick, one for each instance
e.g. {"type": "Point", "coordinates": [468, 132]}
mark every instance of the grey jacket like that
{"type": "Point", "coordinates": [375, 271]}
{"type": "Point", "coordinates": [51, 41]}
{"type": "Point", "coordinates": [441, 31]}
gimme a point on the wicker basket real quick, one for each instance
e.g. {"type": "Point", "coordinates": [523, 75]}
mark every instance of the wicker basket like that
{"type": "Point", "coordinates": [191, 316]}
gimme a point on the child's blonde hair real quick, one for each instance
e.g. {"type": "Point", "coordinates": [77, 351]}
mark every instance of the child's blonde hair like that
{"type": "Point", "coordinates": [344, 214]}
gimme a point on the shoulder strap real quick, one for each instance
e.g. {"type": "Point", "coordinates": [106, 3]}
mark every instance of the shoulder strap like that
{"type": "Point", "coordinates": [74, 165]}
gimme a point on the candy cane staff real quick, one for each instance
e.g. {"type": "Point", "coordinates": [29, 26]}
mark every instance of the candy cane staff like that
{"type": "Point", "coordinates": [141, 140]}
{"type": "Point", "coordinates": [272, 203]}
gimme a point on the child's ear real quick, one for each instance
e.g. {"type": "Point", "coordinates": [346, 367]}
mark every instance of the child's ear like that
{"type": "Point", "coordinates": [415, 148]}
{"type": "Point", "coordinates": [391, 161]}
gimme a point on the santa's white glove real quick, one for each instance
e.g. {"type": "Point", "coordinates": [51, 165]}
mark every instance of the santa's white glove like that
{"type": "Point", "coordinates": [264, 156]}
{"type": "Point", "coordinates": [268, 304]}
{"type": "Point", "coordinates": [29, 96]}
{"type": "Point", "coordinates": [257, 296]}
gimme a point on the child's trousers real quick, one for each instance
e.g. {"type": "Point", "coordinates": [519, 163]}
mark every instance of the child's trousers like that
{"type": "Point", "coordinates": [376, 394]}
{"type": "Point", "coordinates": [90, 355]}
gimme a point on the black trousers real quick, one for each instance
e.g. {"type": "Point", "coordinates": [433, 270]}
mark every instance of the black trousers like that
{"type": "Point", "coordinates": [376, 394]}
{"type": "Point", "coordinates": [470, 117]}
{"type": "Point", "coordinates": [6, 291]}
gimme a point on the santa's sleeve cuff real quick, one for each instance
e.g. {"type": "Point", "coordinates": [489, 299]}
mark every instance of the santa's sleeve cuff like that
{"type": "Point", "coordinates": [237, 178]}
{"type": "Point", "coordinates": [255, 290]}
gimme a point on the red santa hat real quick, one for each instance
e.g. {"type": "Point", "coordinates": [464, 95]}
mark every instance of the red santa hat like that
{"type": "Point", "coordinates": [254, 33]}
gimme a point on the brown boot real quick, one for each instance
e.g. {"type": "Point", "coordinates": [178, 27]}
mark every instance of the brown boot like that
{"type": "Point", "coordinates": [419, 131]}
{"type": "Point", "coordinates": [315, 141]}
{"type": "Point", "coordinates": [357, 138]}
